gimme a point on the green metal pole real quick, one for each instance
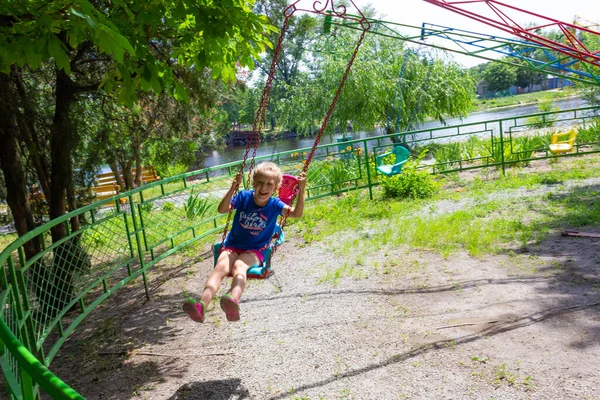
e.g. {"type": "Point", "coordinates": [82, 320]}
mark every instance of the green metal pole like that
{"type": "Point", "coordinates": [502, 149]}
{"type": "Point", "coordinates": [139, 245]}
{"type": "Point", "coordinates": [368, 169]}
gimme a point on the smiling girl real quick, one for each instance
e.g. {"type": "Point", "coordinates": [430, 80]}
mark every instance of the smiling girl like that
{"type": "Point", "coordinates": [251, 231]}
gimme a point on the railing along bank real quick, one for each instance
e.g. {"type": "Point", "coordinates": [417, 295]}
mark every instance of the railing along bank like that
{"type": "Point", "coordinates": [46, 295]}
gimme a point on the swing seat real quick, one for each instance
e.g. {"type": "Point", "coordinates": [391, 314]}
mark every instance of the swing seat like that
{"type": "Point", "coordinates": [287, 191]}
{"type": "Point", "coordinates": [262, 270]}
{"type": "Point", "coordinates": [288, 188]}
{"type": "Point", "coordinates": [401, 155]}
{"type": "Point", "coordinates": [562, 142]}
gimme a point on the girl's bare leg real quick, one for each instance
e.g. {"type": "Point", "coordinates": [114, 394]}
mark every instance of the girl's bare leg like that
{"type": "Point", "coordinates": [240, 268]}
{"type": "Point", "coordinates": [224, 264]}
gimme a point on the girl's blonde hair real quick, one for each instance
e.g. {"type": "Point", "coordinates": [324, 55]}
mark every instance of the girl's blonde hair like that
{"type": "Point", "coordinates": [267, 168]}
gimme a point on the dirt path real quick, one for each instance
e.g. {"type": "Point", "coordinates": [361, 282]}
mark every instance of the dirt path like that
{"type": "Point", "coordinates": [403, 325]}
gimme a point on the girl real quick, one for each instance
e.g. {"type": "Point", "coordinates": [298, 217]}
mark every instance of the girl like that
{"type": "Point", "coordinates": [251, 231]}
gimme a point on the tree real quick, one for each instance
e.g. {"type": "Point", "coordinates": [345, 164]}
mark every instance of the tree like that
{"type": "Point", "coordinates": [499, 76]}
{"type": "Point", "coordinates": [119, 47]}
{"type": "Point", "coordinates": [56, 55]}
{"type": "Point", "coordinates": [527, 77]}
{"type": "Point", "coordinates": [431, 87]}
{"type": "Point", "coordinates": [301, 33]}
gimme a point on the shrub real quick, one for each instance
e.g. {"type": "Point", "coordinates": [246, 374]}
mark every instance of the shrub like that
{"type": "Point", "coordinates": [543, 121]}
{"type": "Point", "coordinates": [413, 183]}
{"type": "Point", "coordinates": [196, 206]}
{"type": "Point", "coordinates": [589, 134]}
{"type": "Point", "coordinates": [448, 156]}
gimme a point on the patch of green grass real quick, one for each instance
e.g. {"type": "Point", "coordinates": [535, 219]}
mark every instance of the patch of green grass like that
{"type": "Point", "coordinates": [522, 99]}
{"type": "Point", "coordinates": [482, 222]}
{"type": "Point", "coordinates": [345, 270]}
{"type": "Point", "coordinates": [7, 239]}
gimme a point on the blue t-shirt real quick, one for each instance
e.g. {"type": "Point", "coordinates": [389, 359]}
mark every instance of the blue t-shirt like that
{"type": "Point", "coordinates": [252, 225]}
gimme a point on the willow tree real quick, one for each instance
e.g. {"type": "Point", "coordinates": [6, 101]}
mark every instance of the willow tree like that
{"type": "Point", "coordinates": [387, 83]}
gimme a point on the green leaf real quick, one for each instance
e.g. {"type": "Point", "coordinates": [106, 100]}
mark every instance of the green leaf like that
{"type": "Point", "coordinates": [86, 17]}
{"type": "Point", "coordinates": [180, 93]}
{"type": "Point", "coordinates": [147, 73]}
{"type": "Point", "coordinates": [156, 84]}
{"type": "Point", "coordinates": [55, 46]}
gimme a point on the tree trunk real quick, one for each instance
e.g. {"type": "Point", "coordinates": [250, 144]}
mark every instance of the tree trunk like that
{"type": "Point", "coordinates": [30, 136]}
{"type": "Point", "coordinates": [127, 175]}
{"type": "Point", "coordinates": [138, 165]}
{"type": "Point", "coordinates": [60, 146]}
{"type": "Point", "coordinates": [12, 167]}
{"type": "Point", "coordinates": [114, 167]}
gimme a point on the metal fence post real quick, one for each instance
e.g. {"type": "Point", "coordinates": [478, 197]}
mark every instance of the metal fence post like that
{"type": "Point", "coordinates": [502, 149]}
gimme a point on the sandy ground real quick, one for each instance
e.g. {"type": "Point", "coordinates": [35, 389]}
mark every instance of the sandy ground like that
{"type": "Point", "coordinates": [402, 325]}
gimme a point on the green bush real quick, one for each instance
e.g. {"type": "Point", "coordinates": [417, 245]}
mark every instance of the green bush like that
{"type": "Point", "coordinates": [543, 121]}
{"type": "Point", "coordinates": [589, 134]}
{"type": "Point", "coordinates": [412, 182]}
{"type": "Point", "coordinates": [448, 156]}
{"type": "Point", "coordinates": [524, 146]}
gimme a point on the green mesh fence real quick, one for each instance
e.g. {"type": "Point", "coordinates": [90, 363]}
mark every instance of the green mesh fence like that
{"type": "Point", "coordinates": [46, 293]}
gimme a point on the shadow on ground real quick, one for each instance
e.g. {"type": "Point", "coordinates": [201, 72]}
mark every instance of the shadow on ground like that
{"type": "Point", "coordinates": [228, 389]}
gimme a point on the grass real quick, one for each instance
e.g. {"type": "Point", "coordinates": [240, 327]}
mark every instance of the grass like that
{"type": "Point", "coordinates": [7, 239]}
{"type": "Point", "coordinates": [484, 215]}
{"type": "Point", "coordinates": [345, 270]}
{"type": "Point", "coordinates": [522, 99]}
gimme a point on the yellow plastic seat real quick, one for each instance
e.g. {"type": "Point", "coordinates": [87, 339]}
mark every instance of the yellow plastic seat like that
{"type": "Point", "coordinates": [563, 142]}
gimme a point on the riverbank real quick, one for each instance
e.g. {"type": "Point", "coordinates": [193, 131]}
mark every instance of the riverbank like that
{"type": "Point", "coordinates": [525, 99]}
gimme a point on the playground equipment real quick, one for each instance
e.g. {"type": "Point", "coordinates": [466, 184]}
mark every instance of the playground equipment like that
{"type": "Point", "coordinates": [401, 156]}
{"type": "Point", "coordinates": [528, 52]}
{"type": "Point", "coordinates": [329, 11]}
{"type": "Point", "coordinates": [560, 145]}
{"type": "Point", "coordinates": [485, 47]}
{"type": "Point", "coordinates": [503, 16]}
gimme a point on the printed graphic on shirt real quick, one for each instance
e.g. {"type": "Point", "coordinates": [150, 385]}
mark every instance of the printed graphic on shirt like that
{"type": "Point", "coordinates": [253, 221]}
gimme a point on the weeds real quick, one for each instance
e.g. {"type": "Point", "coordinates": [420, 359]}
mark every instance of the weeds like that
{"type": "Point", "coordinates": [413, 183]}
{"type": "Point", "coordinates": [479, 223]}
{"type": "Point", "coordinates": [196, 206]}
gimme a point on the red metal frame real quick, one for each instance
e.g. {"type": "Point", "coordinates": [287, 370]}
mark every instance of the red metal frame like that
{"type": "Point", "coordinates": [573, 46]}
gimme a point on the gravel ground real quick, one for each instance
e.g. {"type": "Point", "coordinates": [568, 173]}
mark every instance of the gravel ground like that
{"type": "Point", "coordinates": [396, 324]}
{"type": "Point", "coordinates": [403, 325]}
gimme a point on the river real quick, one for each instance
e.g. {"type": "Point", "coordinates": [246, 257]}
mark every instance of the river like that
{"type": "Point", "coordinates": [235, 153]}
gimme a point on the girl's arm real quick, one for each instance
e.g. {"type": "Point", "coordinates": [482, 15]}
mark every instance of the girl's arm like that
{"type": "Point", "coordinates": [297, 210]}
{"type": "Point", "coordinates": [226, 200]}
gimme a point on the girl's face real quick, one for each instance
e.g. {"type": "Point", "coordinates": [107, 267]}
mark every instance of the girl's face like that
{"type": "Point", "coordinates": [265, 185]}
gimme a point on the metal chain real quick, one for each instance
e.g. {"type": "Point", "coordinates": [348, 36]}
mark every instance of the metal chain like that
{"type": "Point", "coordinates": [308, 160]}
{"type": "Point", "coordinates": [258, 122]}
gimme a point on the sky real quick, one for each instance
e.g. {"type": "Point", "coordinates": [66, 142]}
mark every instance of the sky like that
{"type": "Point", "coordinates": [415, 12]}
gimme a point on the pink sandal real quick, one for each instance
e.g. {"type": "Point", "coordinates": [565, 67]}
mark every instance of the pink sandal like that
{"type": "Point", "coordinates": [231, 307]}
{"type": "Point", "coordinates": [194, 309]}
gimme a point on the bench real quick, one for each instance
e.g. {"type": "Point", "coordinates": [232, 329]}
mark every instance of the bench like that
{"type": "Point", "coordinates": [106, 185]}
